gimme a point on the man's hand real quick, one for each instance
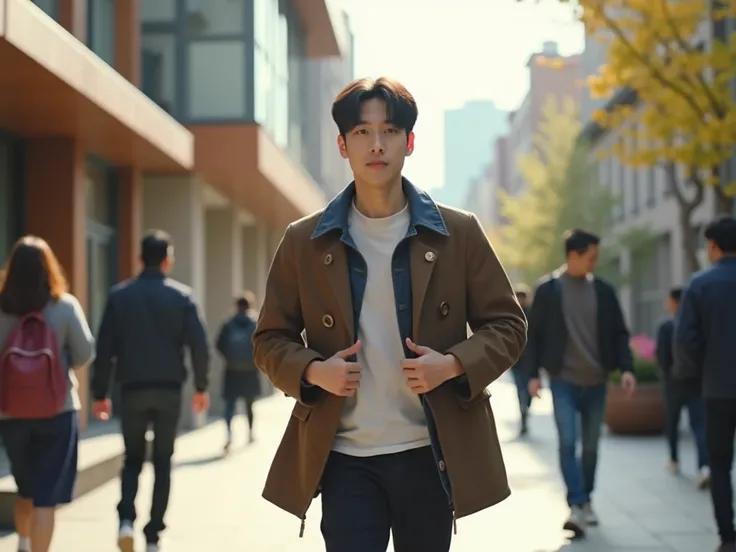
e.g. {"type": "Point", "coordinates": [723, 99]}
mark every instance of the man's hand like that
{"type": "Point", "coordinates": [336, 375]}
{"type": "Point", "coordinates": [628, 383]}
{"type": "Point", "coordinates": [102, 409]}
{"type": "Point", "coordinates": [200, 402]}
{"type": "Point", "coordinates": [429, 370]}
{"type": "Point", "coordinates": [534, 386]}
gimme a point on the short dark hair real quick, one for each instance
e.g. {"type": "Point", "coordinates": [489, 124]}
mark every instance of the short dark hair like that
{"type": "Point", "coordinates": [400, 104]}
{"type": "Point", "coordinates": [579, 241]}
{"type": "Point", "coordinates": [32, 278]}
{"type": "Point", "coordinates": [676, 294]}
{"type": "Point", "coordinates": [156, 246]}
{"type": "Point", "coordinates": [245, 300]}
{"type": "Point", "coordinates": [722, 232]}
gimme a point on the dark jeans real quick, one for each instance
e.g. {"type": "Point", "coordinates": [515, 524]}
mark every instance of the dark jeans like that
{"type": "Point", "coordinates": [676, 398]}
{"type": "Point", "coordinates": [365, 499]}
{"type": "Point", "coordinates": [521, 379]}
{"type": "Point", "coordinates": [231, 403]}
{"type": "Point", "coordinates": [141, 409]}
{"type": "Point", "coordinates": [720, 430]}
{"type": "Point", "coordinates": [589, 402]}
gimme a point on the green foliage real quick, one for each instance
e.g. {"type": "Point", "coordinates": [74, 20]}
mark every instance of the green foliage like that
{"type": "Point", "coordinates": [562, 191]}
{"type": "Point", "coordinates": [646, 371]}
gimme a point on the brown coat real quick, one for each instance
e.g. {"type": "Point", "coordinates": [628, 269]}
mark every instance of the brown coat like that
{"type": "Point", "coordinates": [456, 280]}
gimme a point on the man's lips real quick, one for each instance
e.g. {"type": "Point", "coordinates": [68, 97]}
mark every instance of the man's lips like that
{"type": "Point", "coordinates": [377, 164]}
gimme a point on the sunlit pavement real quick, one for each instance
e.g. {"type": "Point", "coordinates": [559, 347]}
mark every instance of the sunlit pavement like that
{"type": "Point", "coordinates": [216, 504]}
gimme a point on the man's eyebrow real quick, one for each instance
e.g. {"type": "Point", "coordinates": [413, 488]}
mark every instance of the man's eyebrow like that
{"type": "Point", "coordinates": [385, 122]}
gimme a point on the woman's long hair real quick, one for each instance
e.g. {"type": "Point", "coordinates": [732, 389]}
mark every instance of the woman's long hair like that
{"type": "Point", "coordinates": [32, 277]}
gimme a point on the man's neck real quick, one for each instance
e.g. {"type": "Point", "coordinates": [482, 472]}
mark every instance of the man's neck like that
{"type": "Point", "coordinates": [379, 202]}
{"type": "Point", "coordinates": [574, 273]}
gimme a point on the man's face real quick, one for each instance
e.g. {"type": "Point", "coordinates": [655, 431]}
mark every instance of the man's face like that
{"type": "Point", "coordinates": [714, 253]}
{"type": "Point", "coordinates": [375, 148]}
{"type": "Point", "coordinates": [588, 259]}
{"type": "Point", "coordinates": [671, 305]}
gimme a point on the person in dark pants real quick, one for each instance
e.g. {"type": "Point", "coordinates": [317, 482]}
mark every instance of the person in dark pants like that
{"type": "Point", "coordinates": [365, 323]}
{"type": "Point", "coordinates": [242, 379]}
{"type": "Point", "coordinates": [704, 332]}
{"type": "Point", "coordinates": [148, 323]}
{"type": "Point", "coordinates": [521, 370]}
{"type": "Point", "coordinates": [679, 394]}
{"type": "Point", "coordinates": [578, 335]}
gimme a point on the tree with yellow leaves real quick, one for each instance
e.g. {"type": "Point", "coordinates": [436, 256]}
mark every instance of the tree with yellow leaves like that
{"type": "Point", "coordinates": [676, 57]}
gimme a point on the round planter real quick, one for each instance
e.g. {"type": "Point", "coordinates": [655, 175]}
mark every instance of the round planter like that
{"type": "Point", "coordinates": [641, 414]}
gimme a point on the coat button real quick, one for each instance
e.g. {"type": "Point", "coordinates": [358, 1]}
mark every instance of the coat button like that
{"type": "Point", "coordinates": [429, 256]}
{"type": "Point", "coordinates": [441, 465]}
{"type": "Point", "coordinates": [328, 321]}
{"type": "Point", "coordinates": [328, 259]}
{"type": "Point", "coordinates": [444, 309]}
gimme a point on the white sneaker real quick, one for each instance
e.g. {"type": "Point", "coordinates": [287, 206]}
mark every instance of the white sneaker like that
{"type": "Point", "coordinates": [591, 518]}
{"type": "Point", "coordinates": [576, 522]}
{"type": "Point", "coordinates": [126, 537]}
{"type": "Point", "coordinates": [673, 468]}
{"type": "Point", "coordinates": [704, 478]}
{"type": "Point", "coordinates": [152, 548]}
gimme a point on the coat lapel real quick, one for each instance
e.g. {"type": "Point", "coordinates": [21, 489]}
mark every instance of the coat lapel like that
{"type": "Point", "coordinates": [423, 258]}
{"type": "Point", "coordinates": [335, 262]}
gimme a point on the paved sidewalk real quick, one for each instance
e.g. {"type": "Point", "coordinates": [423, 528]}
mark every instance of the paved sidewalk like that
{"type": "Point", "coordinates": [216, 502]}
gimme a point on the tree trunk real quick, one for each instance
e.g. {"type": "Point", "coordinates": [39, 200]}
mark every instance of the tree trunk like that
{"type": "Point", "coordinates": [689, 242]}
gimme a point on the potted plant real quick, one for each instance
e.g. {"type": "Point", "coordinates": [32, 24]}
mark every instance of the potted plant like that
{"type": "Point", "coordinates": [644, 412]}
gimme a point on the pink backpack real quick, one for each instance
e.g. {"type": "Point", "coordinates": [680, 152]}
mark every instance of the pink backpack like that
{"type": "Point", "coordinates": [33, 380]}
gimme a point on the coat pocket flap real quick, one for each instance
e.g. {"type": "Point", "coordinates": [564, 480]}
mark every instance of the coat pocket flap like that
{"type": "Point", "coordinates": [480, 398]}
{"type": "Point", "coordinates": [301, 411]}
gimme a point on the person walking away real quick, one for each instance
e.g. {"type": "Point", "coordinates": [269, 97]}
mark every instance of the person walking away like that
{"type": "Point", "coordinates": [679, 394]}
{"type": "Point", "coordinates": [242, 379]}
{"type": "Point", "coordinates": [704, 330]}
{"type": "Point", "coordinates": [521, 370]}
{"type": "Point", "coordinates": [577, 334]}
{"type": "Point", "coordinates": [148, 323]}
{"type": "Point", "coordinates": [393, 423]}
{"type": "Point", "coordinates": [44, 339]}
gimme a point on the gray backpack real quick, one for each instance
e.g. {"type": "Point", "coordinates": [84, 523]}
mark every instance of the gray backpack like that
{"type": "Point", "coordinates": [239, 346]}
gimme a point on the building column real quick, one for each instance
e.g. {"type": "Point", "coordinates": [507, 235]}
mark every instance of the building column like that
{"type": "Point", "coordinates": [56, 211]}
{"type": "Point", "coordinates": [224, 277]}
{"type": "Point", "coordinates": [73, 17]}
{"type": "Point", "coordinates": [175, 205]}
{"type": "Point", "coordinates": [128, 40]}
{"type": "Point", "coordinates": [256, 259]}
{"type": "Point", "coordinates": [130, 225]}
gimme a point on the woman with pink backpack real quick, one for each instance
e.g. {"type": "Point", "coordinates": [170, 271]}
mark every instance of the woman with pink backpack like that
{"type": "Point", "coordinates": [44, 337]}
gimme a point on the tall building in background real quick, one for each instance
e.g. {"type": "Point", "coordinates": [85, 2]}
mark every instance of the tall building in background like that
{"type": "Point", "coordinates": [469, 134]}
{"type": "Point", "coordinates": [325, 77]}
{"type": "Point", "coordinates": [550, 75]}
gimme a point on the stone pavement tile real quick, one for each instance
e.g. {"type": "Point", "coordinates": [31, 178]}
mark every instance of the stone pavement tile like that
{"type": "Point", "coordinates": [216, 503]}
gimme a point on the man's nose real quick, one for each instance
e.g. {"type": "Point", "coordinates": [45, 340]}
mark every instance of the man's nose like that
{"type": "Point", "coordinates": [377, 146]}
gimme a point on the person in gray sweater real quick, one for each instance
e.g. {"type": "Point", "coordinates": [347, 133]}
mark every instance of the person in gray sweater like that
{"type": "Point", "coordinates": [43, 451]}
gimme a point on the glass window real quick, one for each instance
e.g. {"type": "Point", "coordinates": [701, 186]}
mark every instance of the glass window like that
{"type": "Point", "coordinates": [51, 7]}
{"type": "Point", "coordinates": [102, 29]}
{"type": "Point", "coordinates": [159, 11]}
{"type": "Point", "coordinates": [281, 130]}
{"type": "Point", "coordinates": [260, 22]}
{"type": "Point", "coordinates": [263, 86]}
{"type": "Point", "coordinates": [158, 69]}
{"type": "Point", "coordinates": [217, 79]}
{"type": "Point", "coordinates": [215, 17]}
{"type": "Point", "coordinates": [98, 194]}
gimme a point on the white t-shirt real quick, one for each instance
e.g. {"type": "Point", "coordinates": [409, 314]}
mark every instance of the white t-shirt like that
{"type": "Point", "coordinates": [384, 416]}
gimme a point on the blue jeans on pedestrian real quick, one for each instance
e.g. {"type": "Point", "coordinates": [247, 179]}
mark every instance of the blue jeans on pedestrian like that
{"type": "Point", "coordinates": [521, 379]}
{"type": "Point", "coordinates": [677, 397]}
{"type": "Point", "coordinates": [569, 401]}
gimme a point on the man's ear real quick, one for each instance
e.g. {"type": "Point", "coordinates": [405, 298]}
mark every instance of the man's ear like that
{"type": "Point", "coordinates": [410, 144]}
{"type": "Point", "coordinates": [342, 146]}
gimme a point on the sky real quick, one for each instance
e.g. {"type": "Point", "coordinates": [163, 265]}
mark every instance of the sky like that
{"type": "Point", "coordinates": [447, 53]}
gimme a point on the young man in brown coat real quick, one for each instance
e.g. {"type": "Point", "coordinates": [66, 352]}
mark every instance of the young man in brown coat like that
{"type": "Point", "coordinates": [392, 421]}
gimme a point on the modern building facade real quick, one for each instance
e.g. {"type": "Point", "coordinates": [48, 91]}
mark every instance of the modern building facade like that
{"type": "Point", "coordinates": [185, 115]}
{"type": "Point", "coordinates": [325, 78]}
